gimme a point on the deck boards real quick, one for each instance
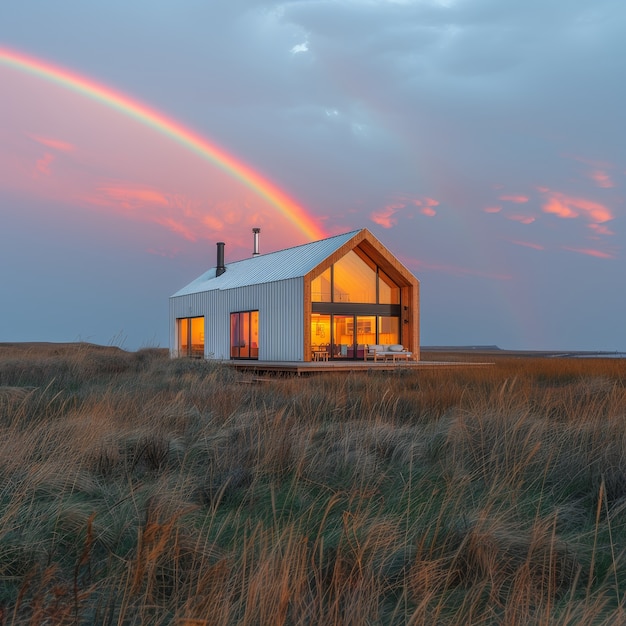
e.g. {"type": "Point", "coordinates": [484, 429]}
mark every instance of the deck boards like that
{"type": "Point", "coordinates": [315, 367]}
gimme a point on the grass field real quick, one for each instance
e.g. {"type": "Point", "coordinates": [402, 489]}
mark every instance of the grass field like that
{"type": "Point", "coordinates": [135, 489]}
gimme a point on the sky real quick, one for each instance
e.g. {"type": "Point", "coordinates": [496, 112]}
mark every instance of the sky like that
{"type": "Point", "coordinates": [482, 141]}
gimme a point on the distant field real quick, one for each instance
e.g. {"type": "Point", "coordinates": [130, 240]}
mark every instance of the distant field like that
{"type": "Point", "coordinates": [135, 489]}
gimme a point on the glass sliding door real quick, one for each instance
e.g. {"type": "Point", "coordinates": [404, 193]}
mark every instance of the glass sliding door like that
{"type": "Point", "coordinates": [388, 330]}
{"type": "Point", "coordinates": [244, 335]}
{"type": "Point", "coordinates": [365, 334]}
{"type": "Point", "coordinates": [343, 336]}
{"type": "Point", "coordinates": [254, 334]}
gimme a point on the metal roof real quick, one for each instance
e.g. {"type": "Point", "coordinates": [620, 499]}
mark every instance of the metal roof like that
{"type": "Point", "coordinates": [268, 268]}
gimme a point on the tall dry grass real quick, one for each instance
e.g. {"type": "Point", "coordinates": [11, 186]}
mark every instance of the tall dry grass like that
{"type": "Point", "coordinates": [137, 489]}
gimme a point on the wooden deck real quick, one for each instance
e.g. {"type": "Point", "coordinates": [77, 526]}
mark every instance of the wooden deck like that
{"type": "Point", "coordinates": [318, 367]}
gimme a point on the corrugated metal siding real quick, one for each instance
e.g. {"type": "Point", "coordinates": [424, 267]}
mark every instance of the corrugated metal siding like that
{"type": "Point", "coordinates": [281, 314]}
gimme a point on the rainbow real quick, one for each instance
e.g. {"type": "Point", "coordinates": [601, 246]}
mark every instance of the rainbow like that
{"type": "Point", "coordinates": [147, 116]}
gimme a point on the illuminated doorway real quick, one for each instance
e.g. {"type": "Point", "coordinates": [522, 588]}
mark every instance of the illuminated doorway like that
{"type": "Point", "coordinates": [191, 337]}
{"type": "Point", "coordinates": [244, 335]}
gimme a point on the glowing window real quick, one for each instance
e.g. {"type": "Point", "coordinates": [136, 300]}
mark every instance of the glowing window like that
{"type": "Point", "coordinates": [388, 330]}
{"type": "Point", "coordinates": [388, 291]}
{"type": "Point", "coordinates": [191, 336]}
{"type": "Point", "coordinates": [320, 287]}
{"type": "Point", "coordinates": [354, 280]}
{"type": "Point", "coordinates": [244, 335]}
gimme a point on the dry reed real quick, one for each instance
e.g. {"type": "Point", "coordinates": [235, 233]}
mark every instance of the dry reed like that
{"type": "Point", "coordinates": [137, 489]}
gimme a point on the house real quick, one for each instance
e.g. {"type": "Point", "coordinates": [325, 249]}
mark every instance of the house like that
{"type": "Point", "coordinates": [328, 299]}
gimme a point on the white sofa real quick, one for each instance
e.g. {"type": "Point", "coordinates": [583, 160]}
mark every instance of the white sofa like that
{"type": "Point", "coordinates": [384, 352]}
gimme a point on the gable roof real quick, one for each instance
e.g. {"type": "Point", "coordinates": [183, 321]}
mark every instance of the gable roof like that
{"type": "Point", "coordinates": [268, 268]}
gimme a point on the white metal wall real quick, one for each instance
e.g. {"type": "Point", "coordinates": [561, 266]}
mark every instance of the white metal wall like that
{"type": "Point", "coordinates": [281, 318]}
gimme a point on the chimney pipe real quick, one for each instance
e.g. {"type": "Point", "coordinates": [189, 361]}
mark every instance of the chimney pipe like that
{"type": "Point", "coordinates": [220, 268]}
{"type": "Point", "coordinates": [255, 251]}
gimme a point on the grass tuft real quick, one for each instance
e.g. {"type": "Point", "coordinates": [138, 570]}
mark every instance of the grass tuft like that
{"type": "Point", "coordinates": [139, 489]}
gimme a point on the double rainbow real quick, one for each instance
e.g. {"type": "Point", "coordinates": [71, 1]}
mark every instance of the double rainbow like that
{"type": "Point", "coordinates": [147, 116]}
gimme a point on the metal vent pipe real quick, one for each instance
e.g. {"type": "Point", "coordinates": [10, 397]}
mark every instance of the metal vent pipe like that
{"type": "Point", "coordinates": [255, 250]}
{"type": "Point", "coordinates": [220, 268]}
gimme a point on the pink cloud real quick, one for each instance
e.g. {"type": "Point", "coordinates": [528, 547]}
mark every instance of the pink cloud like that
{"type": "Point", "coordinates": [55, 144]}
{"type": "Point", "coordinates": [602, 179]}
{"type": "Point", "coordinates": [602, 165]}
{"type": "Point", "coordinates": [386, 217]}
{"type": "Point", "coordinates": [133, 197]}
{"type": "Point", "coordinates": [492, 209]}
{"type": "Point", "coordinates": [559, 208]}
{"type": "Point", "coordinates": [519, 199]}
{"type": "Point", "coordinates": [425, 202]}
{"type": "Point", "coordinates": [569, 207]}
{"type": "Point", "coordinates": [213, 222]}
{"type": "Point", "coordinates": [600, 229]}
{"type": "Point", "coordinates": [151, 205]}
{"type": "Point", "coordinates": [177, 227]}
{"type": "Point", "coordinates": [523, 219]}
{"type": "Point", "coordinates": [528, 244]}
{"type": "Point", "coordinates": [43, 165]}
{"type": "Point", "coordinates": [590, 252]}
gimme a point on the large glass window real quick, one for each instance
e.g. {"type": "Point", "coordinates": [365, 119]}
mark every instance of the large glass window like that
{"type": "Point", "coordinates": [244, 335]}
{"type": "Point", "coordinates": [388, 291]}
{"type": "Point", "coordinates": [321, 287]}
{"type": "Point", "coordinates": [191, 336]}
{"type": "Point", "coordinates": [354, 280]}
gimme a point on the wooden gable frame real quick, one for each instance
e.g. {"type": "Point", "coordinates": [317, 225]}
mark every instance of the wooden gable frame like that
{"type": "Point", "coordinates": [408, 284]}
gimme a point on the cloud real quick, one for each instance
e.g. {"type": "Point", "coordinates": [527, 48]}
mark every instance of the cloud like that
{"type": "Point", "coordinates": [517, 199]}
{"type": "Point", "coordinates": [43, 165]}
{"type": "Point", "coordinates": [213, 223]}
{"type": "Point", "coordinates": [492, 209]}
{"type": "Point", "coordinates": [599, 172]}
{"type": "Point", "coordinates": [151, 205]}
{"type": "Point", "coordinates": [602, 179]}
{"type": "Point", "coordinates": [133, 197]}
{"type": "Point", "coordinates": [600, 229]}
{"type": "Point", "coordinates": [429, 202]}
{"type": "Point", "coordinates": [300, 48]}
{"type": "Point", "coordinates": [568, 207]}
{"type": "Point", "coordinates": [522, 219]}
{"type": "Point", "coordinates": [176, 226]}
{"type": "Point", "coordinates": [386, 217]}
{"type": "Point", "coordinates": [590, 252]}
{"type": "Point", "coordinates": [528, 244]}
{"type": "Point", "coordinates": [55, 144]}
